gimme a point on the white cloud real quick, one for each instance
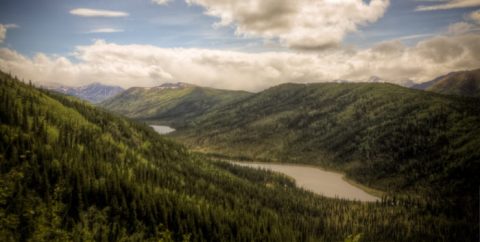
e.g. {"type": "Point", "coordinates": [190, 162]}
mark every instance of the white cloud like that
{"type": "Point", "coordinates": [161, 2]}
{"type": "Point", "coordinates": [106, 30]}
{"type": "Point", "coordinates": [450, 4]}
{"type": "Point", "coordinates": [300, 24]}
{"type": "Point", "coordinates": [475, 16]}
{"type": "Point", "coordinates": [146, 65]}
{"type": "Point", "coordinates": [460, 28]}
{"type": "Point", "coordinates": [3, 33]}
{"type": "Point", "coordinates": [88, 12]}
{"type": "Point", "coordinates": [3, 30]}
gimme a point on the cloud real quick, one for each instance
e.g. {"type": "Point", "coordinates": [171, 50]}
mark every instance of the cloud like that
{"type": "Point", "coordinates": [475, 16]}
{"type": "Point", "coordinates": [451, 4]}
{"type": "Point", "coordinates": [146, 65]}
{"type": "Point", "coordinates": [460, 28]}
{"type": "Point", "coordinates": [3, 30]}
{"type": "Point", "coordinates": [299, 24]}
{"type": "Point", "coordinates": [106, 30]}
{"type": "Point", "coordinates": [161, 2]}
{"type": "Point", "coordinates": [88, 12]}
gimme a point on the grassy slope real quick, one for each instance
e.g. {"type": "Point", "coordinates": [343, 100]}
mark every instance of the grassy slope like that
{"type": "Point", "coordinates": [71, 172]}
{"type": "Point", "coordinates": [170, 106]}
{"type": "Point", "coordinates": [386, 136]}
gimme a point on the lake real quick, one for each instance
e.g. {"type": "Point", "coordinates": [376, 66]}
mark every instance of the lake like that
{"type": "Point", "coordinates": [161, 129]}
{"type": "Point", "coordinates": [326, 183]}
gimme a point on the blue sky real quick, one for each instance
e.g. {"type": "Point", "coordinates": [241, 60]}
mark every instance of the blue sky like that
{"type": "Point", "coordinates": [47, 28]}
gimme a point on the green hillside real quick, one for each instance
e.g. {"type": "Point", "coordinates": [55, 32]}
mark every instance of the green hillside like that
{"type": "Point", "coordinates": [170, 103]}
{"type": "Point", "coordinates": [382, 135]}
{"type": "Point", "coordinates": [69, 172]}
{"type": "Point", "coordinates": [463, 83]}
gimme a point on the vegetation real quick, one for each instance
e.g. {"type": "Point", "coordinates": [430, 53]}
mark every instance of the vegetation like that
{"type": "Point", "coordinates": [170, 103]}
{"type": "Point", "coordinates": [382, 135]}
{"type": "Point", "coordinates": [463, 83]}
{"type": "Point", "coordinates": [70, 172]}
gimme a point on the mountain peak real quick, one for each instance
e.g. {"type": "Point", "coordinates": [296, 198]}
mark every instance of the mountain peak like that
{"type": "Point", "coordinates": [94, 92]}
{"type": "Point", "coordinates": [375, 79]}
{"type": "Point", "coordinates": [171, 85]}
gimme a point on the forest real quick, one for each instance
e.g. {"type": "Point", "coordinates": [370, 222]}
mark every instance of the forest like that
{"type": "Point", "coordinates": [410, 142]}
{"type": "Point", "coordinates": [72, 172]}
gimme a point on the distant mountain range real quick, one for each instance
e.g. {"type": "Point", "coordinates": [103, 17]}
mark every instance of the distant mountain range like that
{"type": "Point", "coordinates": [463, 83]}
{"type": "Point", "coordinates": [94, 93]}
{"type": "Point", "coordinates": [163, 102]}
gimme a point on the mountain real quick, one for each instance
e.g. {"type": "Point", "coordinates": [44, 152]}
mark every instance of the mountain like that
{"type": "Point", "coordinates": [170, 102]}
{"type": "Point", "coordinates": [72, 172]}
{"type": "Point", "coordinates": [382, 135]}
{"type": "Point", "coordinates": [463, 83]}
{"type": "Point", "coordinates": [94, 93]}
{"type": "Point", "coordinates": [401, 82]}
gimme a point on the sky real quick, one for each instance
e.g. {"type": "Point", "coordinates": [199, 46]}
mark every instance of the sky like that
{"type": "Point", "coordinates": [232, 44]}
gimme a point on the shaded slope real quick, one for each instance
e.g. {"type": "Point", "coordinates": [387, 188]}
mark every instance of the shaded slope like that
{"type": "Point", "coordinates": [383, 135]}
{"type": "Point", "coordinates": [170, 103]}
{"type": "Point", "coordinates": [463, 83]}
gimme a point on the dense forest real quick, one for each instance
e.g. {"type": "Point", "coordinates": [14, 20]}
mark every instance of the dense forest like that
{"type": "Point", "coordinates": [382, 135]}
{"type": "Point", "coordinates": [72, 172]}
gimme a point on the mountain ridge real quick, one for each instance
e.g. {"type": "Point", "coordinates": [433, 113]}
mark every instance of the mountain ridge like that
{"type": "Point", "coordinates": [463, 83]}
{"type": "Point", "coordinates": [94, 92]}
{"type": "Point", "coordinates": [169, 103]}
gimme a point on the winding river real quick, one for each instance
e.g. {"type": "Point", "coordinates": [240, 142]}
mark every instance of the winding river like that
{"type": "Point", "coordinates": [326, 183]}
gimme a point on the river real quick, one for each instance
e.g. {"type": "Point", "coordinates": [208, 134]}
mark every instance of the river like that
{"type": "Point", "coordinates": [326, 183]}
{"type": "Point", "coordinates": [161, 129]}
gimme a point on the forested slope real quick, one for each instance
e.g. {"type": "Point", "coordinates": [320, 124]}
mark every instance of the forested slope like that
{"type": "Point", "coordinates": [170, 103]}
{"type": "Point", "coordinates": [69, 172]}
{"type": "Point", "coordinates": [382, 135]}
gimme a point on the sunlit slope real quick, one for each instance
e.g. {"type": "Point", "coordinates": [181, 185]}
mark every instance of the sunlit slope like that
{"type": "Point", "coordinates": [170, 103]}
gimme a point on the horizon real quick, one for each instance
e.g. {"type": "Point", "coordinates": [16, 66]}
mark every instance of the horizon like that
{"type": "Point", "coordinates": [247, 46]}
{"type": "Point", "coordinates": [378, 81]}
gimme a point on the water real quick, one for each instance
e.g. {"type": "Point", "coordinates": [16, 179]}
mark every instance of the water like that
{"type": "Point", "coordinates": [161, 129]}
{"type": "Point", "coordinates": [326, 183]}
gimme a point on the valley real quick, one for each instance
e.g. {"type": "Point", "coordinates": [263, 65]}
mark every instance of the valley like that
{"type": "Point", "coordinates": [325, 183]}
{"type": "Point", "coordinates": [314, 179]}
{"type": "Point", "coordinates": [83, 171]}
{"type": "Point", "coordinates": [258, 120]}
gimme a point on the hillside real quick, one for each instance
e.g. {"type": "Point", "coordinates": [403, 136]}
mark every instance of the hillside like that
{"type": "Point", "coordinates": [94, 93]}
{"type": "Point", "coordinates": [170, 103]}
{"type": "Point", "coordinates": [70, 172]}
{"type": "Point", "coordinates": [463, 83]}
{"type": "Point", "coordinates": [382, 135]}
